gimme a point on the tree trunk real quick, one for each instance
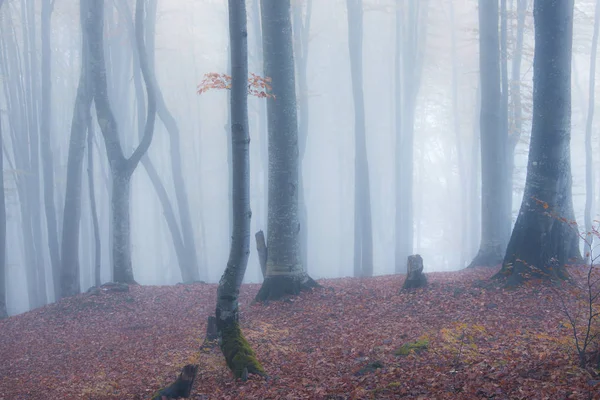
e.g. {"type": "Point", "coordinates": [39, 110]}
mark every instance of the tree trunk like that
{"type": "Point", "coordinates": [363, 230]}
{"type": "Point", "coordinates": [122, 168]}
{"type": "Point", "coordinates": [415, 34]}
{"type": "Point", "coordinates": [285, 272]}
{"type": "Point", "coordinates": [506, 215]}
{"type": "Point", "coordinates": [3, 311]}
{"type": "Point", "coordinates": [459, 146]}
{"type": "Point", "coordinates": [69, 278]}
{"type": "Point", "coordinates": [474, 191]}
{"type": "Point", "coordinates": [93, 208]}
{"type": "Point", "coordinates": [301, 41]}
{"type": "Point", "coordinates": [589, 164]}
{"type": "Point", "coordinates": [493, 149]}
{"type": "Point", "coordinates": [541, 243]}
{"type": "Point", "coordinates": [46, 148]}
{"type": "Point", "coordinates": [239, 355]}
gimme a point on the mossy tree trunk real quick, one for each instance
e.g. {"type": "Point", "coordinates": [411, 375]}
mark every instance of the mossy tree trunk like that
{"type": "Point", "coordinates": [121, 167]}
{"type": "Point", "coordinates": [544, 238]}
{"type": "Point", "coordinates": [238, 353]}
{"type": "Point", "coordinates": [285, 272]}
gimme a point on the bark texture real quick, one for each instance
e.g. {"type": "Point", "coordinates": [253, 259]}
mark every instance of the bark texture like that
{"type": "Point", "coordinates": [544, 238]}
{"type": "Point", "coordinates": [493, 140]}
{"type": "Point", "coordinates": [285, 272]}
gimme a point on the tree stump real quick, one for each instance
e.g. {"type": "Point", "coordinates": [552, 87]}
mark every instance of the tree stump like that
{"type": "Point", "coordinates": [415, 278]}
{"type": "Point", "coordinates": [261, 248]}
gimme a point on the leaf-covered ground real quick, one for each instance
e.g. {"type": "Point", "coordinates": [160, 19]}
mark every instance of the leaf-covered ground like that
{"type": "Point", "coordinates": [339, 342]}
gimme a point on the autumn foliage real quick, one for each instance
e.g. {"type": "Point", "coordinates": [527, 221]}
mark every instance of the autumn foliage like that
{"type": "Point", "coordinates": [468, 339]}
{"type": "Point", "coordinates": [257, 85]}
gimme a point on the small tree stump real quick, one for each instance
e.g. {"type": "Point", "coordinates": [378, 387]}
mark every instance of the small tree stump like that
{"type": "Point", "coordinates": [212, 335]}
{"type": "Point", "coordinates": [261, 248]}
{"type": "Point", "coordinates": [415, 278]}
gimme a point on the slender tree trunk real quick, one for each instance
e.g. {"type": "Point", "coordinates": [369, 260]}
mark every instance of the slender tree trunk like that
{"type": "Point", "coordinates": [3, 311]}
{"type": "Point", "coordinates": [516, 128]}
{"type": "Point", "coordinates": [541, 243]}
{"type": "Point", "coordinates": [46, 147]}
{"type": "Point", "coordinates": [69, 279]}
{"type": "Point", "coordinates": [459, 146]}
{"type": "Point", "coordinates": [239, 355]}
{"type": "Point", "coordinates": [506, 217]}
{"type": "Point", "coordinates": [474, 190]}
{"type": "Point", "coordinates": [122, 168]}
{"type": "Point", "coordinates": [301, 41]}
{"type": "Point", "coordinates": [399, 194]}
{"type": "Point", "coordinates": [93, 208]}
{"type": "Point", "coordinates": [493, 140]}
{"type": "Point", "coordinates": [415, 34]}
{"type": "Point", "coordinates": [285, 272]}
{"type": "Point", "coordinates": [589, 162]}
{"type": "Point", "coordinates": [363, 230]}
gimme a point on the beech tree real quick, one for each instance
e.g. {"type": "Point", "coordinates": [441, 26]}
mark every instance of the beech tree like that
{"type": "Point", "coordinates": [238, 353]}
{"type": "Point", "coordinates": [545, 236]}
{"type": "Point", "coordinates": [285, 273]}
{"type": "Point", "coordinates": [363, 226]}
{"type": "Point", "coordinates": [121, 167]}
{"type": "Point", "coordinates": [69, 278]}
{"type": "Point", "coordinates": [589, 164]}
{"type": "Point", "coordinates": [493, 139]}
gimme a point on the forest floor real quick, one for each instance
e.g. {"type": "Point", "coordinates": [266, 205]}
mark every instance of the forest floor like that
{"type": "Point", "coordinates": [339, 342]}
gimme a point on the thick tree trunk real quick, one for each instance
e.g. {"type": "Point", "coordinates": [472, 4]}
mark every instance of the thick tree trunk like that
{"type": "Point", "coordinates": [46, 147]}
{"type": "Point", "coordinates": [506, 216]}
{"type": "Point", "coordinates": [493, 140]}
{"type": "Point", "coordinates": [121, 195]}
{"type": "Point", "coordinates": [70, 269]}
{"type": "Point", "coordinates": [589, 164]}
{"type": "Point", "coordinates": [239, 355]}
{"type": "Point", "coordinates": [285, 272]}
{"type": "Point", "coordinates": [363, 230]}
{"type": "Point", "coordinates": [541, 243]}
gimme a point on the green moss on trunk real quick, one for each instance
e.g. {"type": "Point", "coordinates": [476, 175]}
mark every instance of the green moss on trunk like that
{"type": "Point", "coordinates": [240, 357]}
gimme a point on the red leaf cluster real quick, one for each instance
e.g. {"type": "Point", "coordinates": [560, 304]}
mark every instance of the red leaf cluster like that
{"type": "Point", "coordinates": [318, 345]}
{"type": "Point", "coordinates": [257, 85]}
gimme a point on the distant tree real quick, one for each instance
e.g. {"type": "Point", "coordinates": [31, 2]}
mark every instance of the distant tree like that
{"type": "Point", "coordinates": [301, 25]}
{"type": "Point", "coordinates": [81, 122]}
{"type": "Point", "coordinates": [413, 53]}
{"type": "Point", "coordinates": [93, 207]}
{"type": "Point", "coordinates": [178, 220]}
{"type": "Point", "coordinates": [3, 312]}
{"type": "Point", "coordinates": [45, 144]}
{"type": "Point", "coordinates": [239, 355]}
{"type": "Point", "coordinates": [121, 167]}
{"type": "Point", "coordinates": [541, 244]}
{"type": "Point", "coordinates": [589, 160]}
{"type": "Point", "coordinates": [493, 139]}
{"type": "Point", "coordinates": [285, 272]}
{"type": "Point", "coordinates": [363, 225]}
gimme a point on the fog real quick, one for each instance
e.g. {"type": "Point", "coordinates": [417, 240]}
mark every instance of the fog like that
{"type": "Point", "coordinates": [191, 40]}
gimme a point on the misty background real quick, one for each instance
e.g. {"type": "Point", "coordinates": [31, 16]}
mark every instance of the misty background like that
{"type": "Point", "coordinates": [191, 39]}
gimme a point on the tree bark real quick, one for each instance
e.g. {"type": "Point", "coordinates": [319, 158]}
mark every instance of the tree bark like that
{"type": "Point", "coordinates": [239, 355]}
{"type": "Point", "coordinates": [93, 208]}
{"type": "Point", "coordinates": [493, 140]}
{"type": "Point", "coordinates": [70, 270]}
{"type": "Point", "coordinates": [545, 237]}
{"type": "Point", "coordinates": [121, 167]}
{"type": "Point", "coordinates": [589, 160]}
{"type": "Point", "coordinates": [363, 229]}
{"type": "Point", "coordinates": [285, 272]}
{"type": "Point", "coordinates": [301, 27]}
{"type": "Point", "coordinates": [3, 311]}
{"type": "Point", "coordinates": [46, 147]}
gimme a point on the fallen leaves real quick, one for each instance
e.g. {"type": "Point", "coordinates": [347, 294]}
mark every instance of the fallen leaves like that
{"type": "Point", "coordinates": [127, 345]}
